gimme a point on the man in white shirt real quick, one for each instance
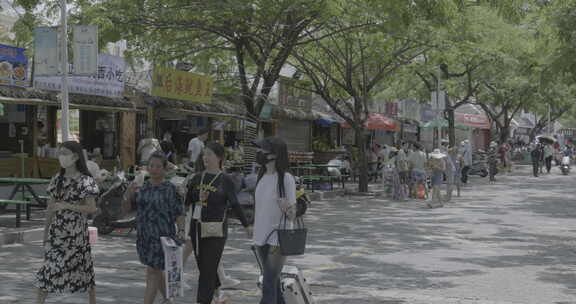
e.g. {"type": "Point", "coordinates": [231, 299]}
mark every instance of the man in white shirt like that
{"type": "Point", "coordinates": [196, 145]}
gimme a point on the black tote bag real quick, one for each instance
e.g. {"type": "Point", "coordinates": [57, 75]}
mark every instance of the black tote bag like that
{"type": "Point", "coordinates": [292, 241]}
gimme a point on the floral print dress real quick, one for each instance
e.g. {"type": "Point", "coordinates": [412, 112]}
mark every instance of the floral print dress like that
{"type": "Point", "coordinates": [68, 265]}
{"type": "Point", "coordinates": [158, 206]}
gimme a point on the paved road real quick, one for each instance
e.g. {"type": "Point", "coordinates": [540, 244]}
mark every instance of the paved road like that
{"type": "Point", "coordinates": [508, 243]}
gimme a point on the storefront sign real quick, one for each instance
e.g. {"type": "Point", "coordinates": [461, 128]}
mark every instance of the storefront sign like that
{"type": "Point", "coordinates": [292, 95]}
{"type": "Point", "coordinates": [85, 45]}
{"type": "Point", "coordinates": [473, 120]}
{"type": "Point", "coordinates": [13, 66]}
{"type": "Point", "coordinates": [46, 51]}
{"type": "Point", "coordinates": [108, 81]}
{"type": "Point", "coordinates": [170, 83]}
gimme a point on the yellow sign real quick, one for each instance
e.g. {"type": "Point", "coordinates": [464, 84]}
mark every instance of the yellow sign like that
{"type": "Point", "coordinates": [181, 85]}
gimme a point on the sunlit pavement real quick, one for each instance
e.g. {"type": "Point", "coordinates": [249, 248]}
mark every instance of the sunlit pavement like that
{"type": "Point", "coordinates": [511, 242]}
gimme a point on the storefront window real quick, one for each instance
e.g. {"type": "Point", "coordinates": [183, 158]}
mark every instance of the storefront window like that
{"type": "Point", "coordinates": [98, 133]}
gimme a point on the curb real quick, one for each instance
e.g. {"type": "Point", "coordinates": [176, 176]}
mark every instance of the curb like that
{"type": "Point", "coordinates": [25, 236]}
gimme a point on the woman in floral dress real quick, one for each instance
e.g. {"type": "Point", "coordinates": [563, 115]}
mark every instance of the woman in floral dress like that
{"type": "Point", "coordinates": [68, 265]}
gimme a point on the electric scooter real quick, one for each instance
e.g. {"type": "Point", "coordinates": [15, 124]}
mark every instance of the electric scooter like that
{"type": "Point", "coordinates": [565, 165]}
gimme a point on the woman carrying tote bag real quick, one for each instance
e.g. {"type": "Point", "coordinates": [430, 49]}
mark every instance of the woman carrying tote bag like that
{"type": "Point", "coordinates": [275, 200]}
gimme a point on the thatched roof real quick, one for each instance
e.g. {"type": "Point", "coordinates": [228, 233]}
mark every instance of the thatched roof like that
{"type": "Point", "coordinates": [50, 97]}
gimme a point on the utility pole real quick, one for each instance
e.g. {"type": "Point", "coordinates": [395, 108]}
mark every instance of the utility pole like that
{"type": "Point", "coordinates": [549, 125]}
{"type": "Point", "coordinates": [65, 117]}
{"type": "Point", "coordinates": [438, 116]}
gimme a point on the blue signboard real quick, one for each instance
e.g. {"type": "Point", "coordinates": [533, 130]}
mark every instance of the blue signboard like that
{"type": "Point", "coordinates": [13, 66]}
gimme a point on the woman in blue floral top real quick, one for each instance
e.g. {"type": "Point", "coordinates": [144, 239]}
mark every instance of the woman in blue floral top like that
{"type": "Point", "coordinates": [159, 209]}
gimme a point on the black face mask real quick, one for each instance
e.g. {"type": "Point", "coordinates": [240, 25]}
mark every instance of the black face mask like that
{"type": "Point", "coordinates": [262, 158]}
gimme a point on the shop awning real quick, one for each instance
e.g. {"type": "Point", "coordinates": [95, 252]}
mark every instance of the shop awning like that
{"type": "Point", "coordinates": [30, 96]}
{"type": "Point", "coordinates": [379, 121]}
{"type": "Point", "coordinates": [523, 122]}
{"type": "Point", "coordinates": [325, 119]}
{"type": "Point", "coordinates": [476, 121]}
{"type": "Point", "coordinates": [443, 123]}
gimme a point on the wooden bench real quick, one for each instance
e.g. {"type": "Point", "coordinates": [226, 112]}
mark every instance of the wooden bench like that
{"type": "Point", "coordinates": [317, 179]}
{"type": "Point", "coordinates": [18, 204]}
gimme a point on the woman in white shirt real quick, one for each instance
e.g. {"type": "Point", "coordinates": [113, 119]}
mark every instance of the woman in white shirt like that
{"type": "Point", "coordinates": [275, 199]}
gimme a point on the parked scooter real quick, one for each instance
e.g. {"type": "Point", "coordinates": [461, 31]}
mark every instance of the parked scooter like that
{"type": "Point", "coordinates": [109, 204]}
{"type": "Point", "coordinates": [565, 165]}
{"type": "Point", "coordinates": [479, 165]}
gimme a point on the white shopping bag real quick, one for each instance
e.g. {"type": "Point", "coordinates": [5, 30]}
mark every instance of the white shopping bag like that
{"type": "Point", "coordinates": [92, 235]}
{"type": "Point", "coordinates": [173, 266]}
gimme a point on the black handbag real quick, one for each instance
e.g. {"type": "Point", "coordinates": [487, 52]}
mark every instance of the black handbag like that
{"type": "Point", "coordinates": [292, 241]}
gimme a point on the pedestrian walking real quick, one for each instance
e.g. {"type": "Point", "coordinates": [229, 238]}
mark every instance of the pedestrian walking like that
{"type": "Point", "coordinates": [536, 154]}
{"type": "Point", "coordinates": [168, 147]}
{"type": "Point", "coordinates": [493, 161]}
{"type": "Point", "coordinates": [393, 176]}
{"type": "Point", "coordinates": [160, 209]}
{"type": "Point", "coordinates": [437, 166]}
{"type": "Point", "coordinates": [548, 155]}
{"type": "Point", "coordinates": [417, 163]}
{"type": "Point", "coordinates": [275, 202]}
{"type": "Point", "coordinates": [195, 163]}
{"type": "Point", "coordinates": [68, 265]}
{"type": "Point", "coordinates": [502, 150]}
{"type": "Point", "coordinates": [452, 173]}
{"type": "Point", "coordinates": [402, 164]}
{"type": "Point", "coordinates": [466, 155]}
{"type": "Point", "coordinates": [210, 194]}
{"type": "Point", "coordinates": [196, 146]}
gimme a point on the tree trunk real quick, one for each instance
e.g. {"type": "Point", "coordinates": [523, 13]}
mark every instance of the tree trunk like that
{"type": "Point", "coordinates": [362, 160]}
{"type": "Point", "coordinates": [451, 126]}
{"type": "Point", "coordinates": [532, 135]}
{"type": "Point", "coordinates": [504, 134]}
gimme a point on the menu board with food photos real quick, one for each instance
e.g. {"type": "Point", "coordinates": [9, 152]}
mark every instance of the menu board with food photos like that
{"type": "Point", "coordinates": [13, 66]}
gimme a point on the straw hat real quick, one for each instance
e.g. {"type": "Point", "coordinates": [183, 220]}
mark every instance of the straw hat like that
{"type": "Point", "coordinates": [437, 154]}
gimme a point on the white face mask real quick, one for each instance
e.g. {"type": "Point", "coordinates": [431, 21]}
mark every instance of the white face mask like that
{"type": "Point", "coordinates": [66, 161]}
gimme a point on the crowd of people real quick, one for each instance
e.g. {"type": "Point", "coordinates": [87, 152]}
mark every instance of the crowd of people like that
{"type": "Point", "coordinates": [197, 214]}
{"type": "Point", "coordinates": [196, 218]}
{"type": "Point", "coordinates": [408, 171]}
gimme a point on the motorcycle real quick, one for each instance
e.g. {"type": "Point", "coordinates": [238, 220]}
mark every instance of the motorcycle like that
{"type": "Point", "coordinates": [110, 216]}
{"type": "Point", "coordinates": [565, 165]}
{"type": "Point", "coordinates": [479, 165]}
